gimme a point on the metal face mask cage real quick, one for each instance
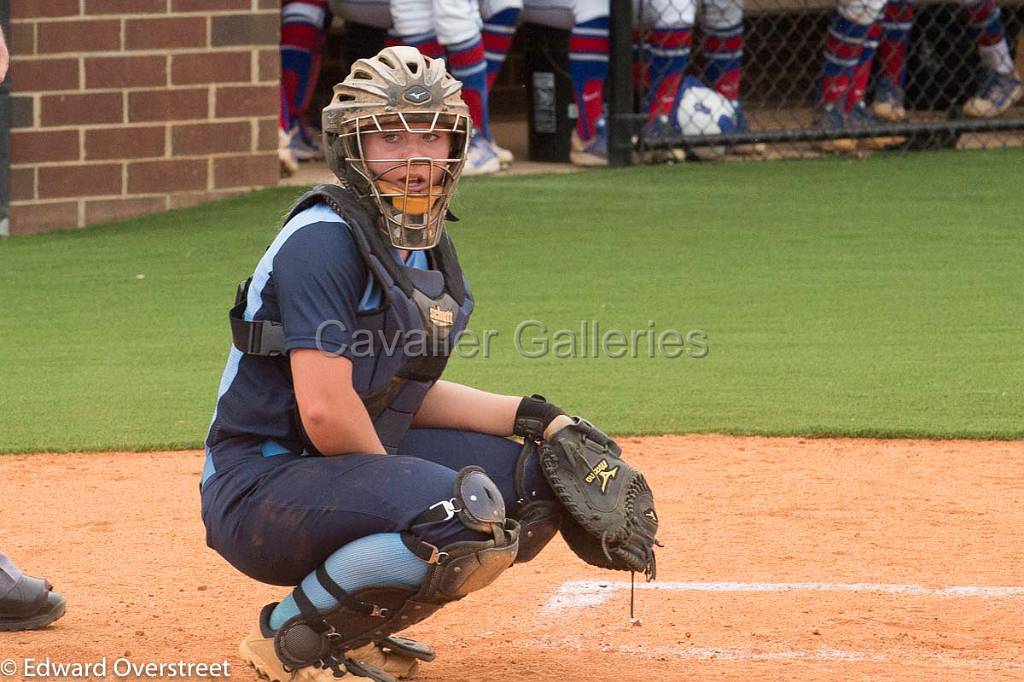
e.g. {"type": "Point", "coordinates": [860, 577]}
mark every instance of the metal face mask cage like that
{"type": "Point", "coordinates": [412, 220]}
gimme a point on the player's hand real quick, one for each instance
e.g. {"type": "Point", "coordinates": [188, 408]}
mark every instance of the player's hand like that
{"type": "Point", "coordinates": [556, 425]}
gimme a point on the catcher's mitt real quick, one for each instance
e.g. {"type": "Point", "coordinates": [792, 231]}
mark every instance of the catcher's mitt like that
{"type": "Point", "coordinates": [611, 520]}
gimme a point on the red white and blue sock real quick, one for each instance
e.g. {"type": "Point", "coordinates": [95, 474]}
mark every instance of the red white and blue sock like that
{"type": "Point", "coordinates": [303, 34]}
{"type": "Point", "coordinates": [284, 120]}
{"type": "Point", "coordinates": [985, 22]}
{"type": "Point", "coordinates": [862, 72]}
{"type": "Point", "coordinates": [588, 66]}
{"type": "Point", "coordinates": [897, 21]}
{"type": "Point", "coordinates": [426, 43]}
{"type": "Point", "coordinates": [723, 59]}
{"type": "Point", "coordinates": [843, 45]}
{"type": "Point", "coordinates": [467, 63]}
{"type": "Point", "coordinates": [498, 32]}
{"type": "Point", "coordinates": [668, 55]}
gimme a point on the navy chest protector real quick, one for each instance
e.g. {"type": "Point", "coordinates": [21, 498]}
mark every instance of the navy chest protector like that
{"type": "Point", "coordinates": [399, 349]}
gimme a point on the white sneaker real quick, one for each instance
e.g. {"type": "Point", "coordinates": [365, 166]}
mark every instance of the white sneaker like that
{"type": "Point", "coordinates": [505, 157]}
{"type": "Point", "coordinates": [285, 154]}
{"type": "Point", "coordinates": [999, 92]}
{"type": "Point", "coordinates": [304, 144]}
{"type": "Point", "coordinates": [481, 158]}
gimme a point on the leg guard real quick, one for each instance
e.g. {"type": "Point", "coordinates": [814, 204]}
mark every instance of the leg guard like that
{"type": "Point", "coordinates": [374, 613]}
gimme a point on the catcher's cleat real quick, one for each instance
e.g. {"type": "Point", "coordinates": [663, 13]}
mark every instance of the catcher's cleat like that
{"type": "Point", "coordinates": [30, 605]}
{"type": "Point", "coordinates": [397, 664]}
{"type": "Point", "coordinates": [258, 651]}
{"type": "Point", "coordinates": [393, 659]}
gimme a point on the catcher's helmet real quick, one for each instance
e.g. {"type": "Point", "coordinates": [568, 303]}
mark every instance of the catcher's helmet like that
{"type": "Point", "coordinates": [398, 90]}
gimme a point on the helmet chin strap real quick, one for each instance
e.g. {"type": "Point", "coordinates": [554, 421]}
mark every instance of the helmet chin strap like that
{"type": "Point", "coordinates": [415, 204]}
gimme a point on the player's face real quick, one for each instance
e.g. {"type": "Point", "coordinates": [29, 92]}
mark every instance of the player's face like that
{"type": "Point", "coordinates": [399, 146]}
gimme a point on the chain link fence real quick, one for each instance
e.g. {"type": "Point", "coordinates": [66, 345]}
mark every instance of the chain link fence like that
{"type": "Point", "coordinates": [667, 80]}
{"type": "Point", "coordinates": [785, 78]}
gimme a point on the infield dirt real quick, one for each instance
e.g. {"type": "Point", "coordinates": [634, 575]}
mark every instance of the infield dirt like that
{"type": "Point", "coordinates": [784, 559]}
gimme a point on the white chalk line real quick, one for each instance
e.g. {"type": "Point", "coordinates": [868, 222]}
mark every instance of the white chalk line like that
{"type": "Point", "coordinates": [749, 654]}
{"type": "Point", "coordinates": [577, 594]}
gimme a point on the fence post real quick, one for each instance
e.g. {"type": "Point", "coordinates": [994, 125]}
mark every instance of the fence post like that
{"type": "Point", "coordinates": [620, 83]}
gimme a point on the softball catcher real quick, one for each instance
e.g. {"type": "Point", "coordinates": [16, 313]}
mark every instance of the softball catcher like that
{"type": "Point", "coordinates": [338, 462]}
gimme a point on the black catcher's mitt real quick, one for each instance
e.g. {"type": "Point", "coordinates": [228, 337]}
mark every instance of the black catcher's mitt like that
{"type": "Point", "coordinates": [611, 520]}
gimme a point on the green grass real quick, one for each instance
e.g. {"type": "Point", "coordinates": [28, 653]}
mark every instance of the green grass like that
{"type": "Point", "coordinates": [880, 297]}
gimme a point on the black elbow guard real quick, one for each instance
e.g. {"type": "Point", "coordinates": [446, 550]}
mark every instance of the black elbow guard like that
{"type": "Point", "coordinates": [533, 416]}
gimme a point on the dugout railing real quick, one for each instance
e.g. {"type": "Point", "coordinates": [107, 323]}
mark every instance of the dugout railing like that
{"type": "Point", "coordinates": [789, 48]}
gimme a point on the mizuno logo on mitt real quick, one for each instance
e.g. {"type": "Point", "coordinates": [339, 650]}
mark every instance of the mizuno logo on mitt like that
{"type": "Point", "coordinates": [604, 473]}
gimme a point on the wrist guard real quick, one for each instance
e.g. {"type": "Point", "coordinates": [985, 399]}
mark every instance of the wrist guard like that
{"type": "Point", "coordinates": [533, 416]}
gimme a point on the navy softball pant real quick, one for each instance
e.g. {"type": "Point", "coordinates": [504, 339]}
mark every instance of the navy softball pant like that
{"type": "Point", "coordinates": [278, 518]}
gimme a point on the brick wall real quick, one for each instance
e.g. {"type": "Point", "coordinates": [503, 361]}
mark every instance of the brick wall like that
{"type": "Point", "coordinates": [125, 107]}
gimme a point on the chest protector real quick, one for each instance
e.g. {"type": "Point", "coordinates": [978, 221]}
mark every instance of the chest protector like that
{"type": "Point", "coordinates": [399, 349]}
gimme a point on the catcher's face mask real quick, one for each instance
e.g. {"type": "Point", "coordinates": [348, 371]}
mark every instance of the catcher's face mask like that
{"type": "Point", "coordinates": [411, 164]}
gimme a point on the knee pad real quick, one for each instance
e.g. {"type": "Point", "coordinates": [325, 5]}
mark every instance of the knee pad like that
{"type": "Point", "coordinates": [374, 613]}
